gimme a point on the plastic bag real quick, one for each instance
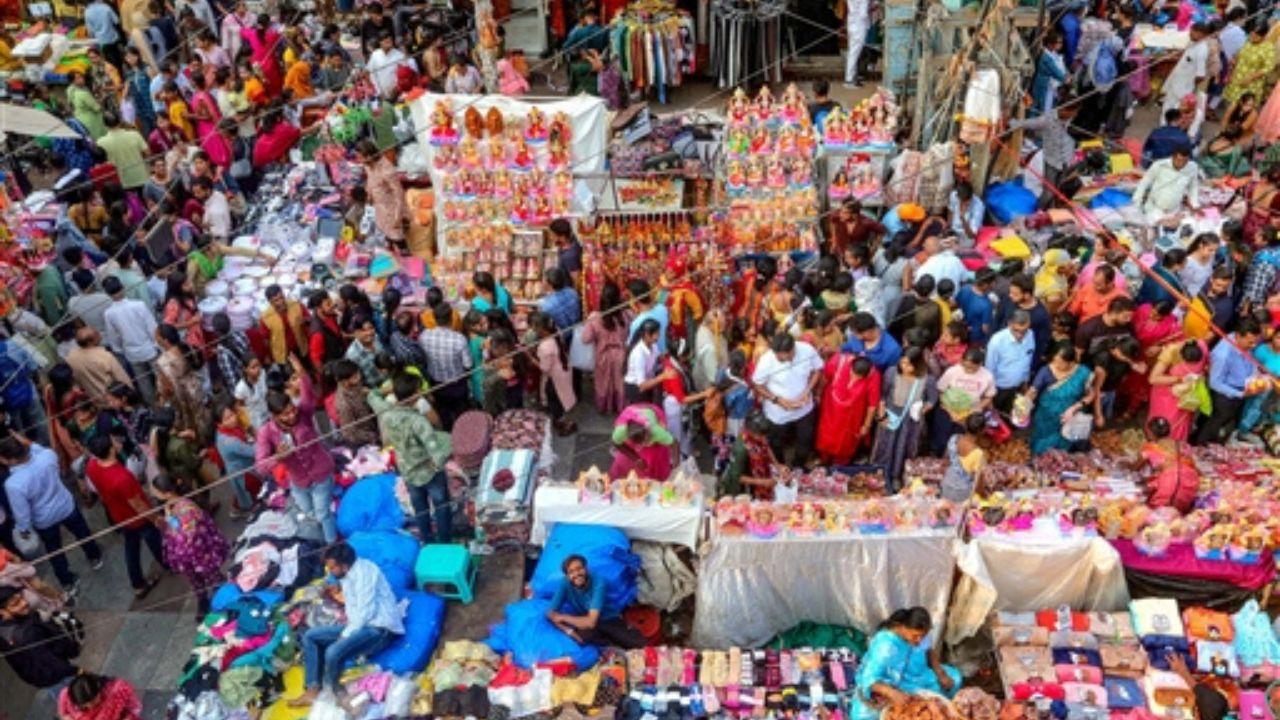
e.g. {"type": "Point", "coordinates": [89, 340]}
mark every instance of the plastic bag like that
{"type": "Point", "coordinates": [581, 355]}
{"type": "Point", "coordinates": [410, 652]}
{"type": "Point", "coordinates": [609, 559]}
{"type": "Point", "coordinates": [530, 637]}
{"type": "Point", "coordinates": [399, 697]}
{"type": "Point", "coordinates": [28, 544]}
{"type": "Point", "coordinates": [1078, 427]}
{"type": "Point", "coordinates": [395, 554]}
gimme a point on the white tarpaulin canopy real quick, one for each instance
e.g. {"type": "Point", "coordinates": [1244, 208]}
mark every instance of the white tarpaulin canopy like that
{"type": "Point", "coordinates": [750, 590]}
{"type": "Point", "coordinates": [29, 121]}
{"type": "Point", "coordinates": [1033, 572]}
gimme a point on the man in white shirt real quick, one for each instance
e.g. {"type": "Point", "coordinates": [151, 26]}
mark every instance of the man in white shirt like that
{"type": "Point", "coordinates": [383, 64]}
{"type": "Point", "coordinates": [131, 333]}
{"type": "Point", "coordinates": [90, 305]}
{"type": "Point", "coordinates": [1190, 77]}
{"type": "Point", "coordinates": [217, 211]}
{"type": "Point", "coordinates": [102, 20]}
{"type": "Point", "coordinates": [1167, 184]}
{"type": "Point", "coordinates": [785, 378]}
{"type": "Point", "coordinates": [942, 263]}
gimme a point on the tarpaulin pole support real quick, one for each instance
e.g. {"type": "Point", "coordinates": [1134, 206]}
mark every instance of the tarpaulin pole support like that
{"type": "Point", "coordinates": [1108, 236]}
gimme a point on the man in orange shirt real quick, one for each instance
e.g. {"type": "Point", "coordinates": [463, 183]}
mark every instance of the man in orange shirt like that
{"type": "Point", "coordinates": [1091, 300]}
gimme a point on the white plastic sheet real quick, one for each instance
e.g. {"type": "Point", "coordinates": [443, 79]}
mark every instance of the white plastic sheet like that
{"type": "Point", "coordinates": [1030, 573]}
{"type": "Point", "coordinates": [559, 503]}
{"type": "Point", "coordinates": [750, 590]}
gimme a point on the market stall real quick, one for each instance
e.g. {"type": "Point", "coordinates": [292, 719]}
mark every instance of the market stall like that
{"type": "Point", "coordinates": [1029, 571]}
{"type": "Point", "coordinates": [502, 170]}
{"type": "Point", "coordinates": [1179, 573]}
{"type": "Point", "coordinates": [653, 519]}
{"type": "Point", "coordinates": [768, 567]}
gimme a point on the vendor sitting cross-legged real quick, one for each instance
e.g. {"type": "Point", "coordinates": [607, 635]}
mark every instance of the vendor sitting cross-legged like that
{"type": "Point", "coordinates": [374, 620]}
{"type": "Point", "coordinates": [579, 610]}
{"type": "Point", "coordinates": [901, 661]}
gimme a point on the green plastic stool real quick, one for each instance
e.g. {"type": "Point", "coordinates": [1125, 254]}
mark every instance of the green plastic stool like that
{"type": "Point", "coordinates": [447, 565]}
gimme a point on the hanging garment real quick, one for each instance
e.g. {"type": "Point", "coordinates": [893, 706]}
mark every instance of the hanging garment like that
{"type": "Point", "coordinates": [857, 22]}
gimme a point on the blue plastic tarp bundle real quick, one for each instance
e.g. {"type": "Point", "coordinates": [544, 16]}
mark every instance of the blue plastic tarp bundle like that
{"type": "Point", "coordinates": [423, 620]}
{"type": "Point", "coordinates": [370, 504]}
{"type": "Point", "coordinates": [395, 553]}
{"type": "Point", "coordinates": [1008, 201]}
{"type": "Point", "coordinates": [1111, 198]}
{"type": "Point", "coordinates": [530, 637]}
{"type": "Point", "coordinates": [609, 560]}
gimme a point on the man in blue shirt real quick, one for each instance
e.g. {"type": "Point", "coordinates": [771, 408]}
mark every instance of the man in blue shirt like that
{"type": "Point", "coordinates": [42, 504]}
{"type": "Point", "coordinates": [1165, 139]}
{"type": "Point", "coordinates": [562, 303]}
{"type": "Point", "coordinates": [1230, 370]}
{"type": "Point", "coordinates": [646, 306]}
{"type": "Point", "coordinates": [868, 339]}
{"type": "Point", "coordinates": [1009, 356]}
{"type": "Point", "coordinates": [975, 302]}
{"type": "Point", "coordinates": [580, 611]}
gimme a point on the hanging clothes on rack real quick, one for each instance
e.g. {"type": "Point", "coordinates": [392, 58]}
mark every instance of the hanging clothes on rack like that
{"type": "Point", "coordinates": [653, 49]}
{"type": "Point", "coordinates": [746, 41]}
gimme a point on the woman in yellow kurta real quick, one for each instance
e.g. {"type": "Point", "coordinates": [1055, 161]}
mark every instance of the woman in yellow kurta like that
{"type": "Point", "coordinates": [1254, 67]}
{"type": "Point", "coordinates": [254, 89]}
{"type": "Point", "coordinates": [298, 80]}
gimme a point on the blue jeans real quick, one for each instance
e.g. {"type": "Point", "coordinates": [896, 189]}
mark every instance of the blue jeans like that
{"type": "Point", "coordinates": [31, 420]}
{"type": "Point", "coordinates": [315, 502]}
{"type": "Point", "coordinates": [431, 503]}
{"type": "Point", "coordinates": [325, 652]}
{"type": "Point", "coordinates": [51, 538]}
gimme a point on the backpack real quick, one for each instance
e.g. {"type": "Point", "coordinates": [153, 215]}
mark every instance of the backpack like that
{"type": "Point", "coordinates": [17, 393]}
{"type": "Point", "coordinates": [1104, 67]}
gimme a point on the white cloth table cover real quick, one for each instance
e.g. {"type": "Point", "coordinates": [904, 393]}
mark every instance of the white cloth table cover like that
{"type": "Point", "coordinates": [558, 503]}
{"type": "Point", "coordinates": [1031, 572]}
{"type": "Point", "coordinates": [750, 590]}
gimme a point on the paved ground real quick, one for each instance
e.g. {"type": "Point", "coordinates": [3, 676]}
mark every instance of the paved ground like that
{"type": "Point", "coordinates": [147, 642]}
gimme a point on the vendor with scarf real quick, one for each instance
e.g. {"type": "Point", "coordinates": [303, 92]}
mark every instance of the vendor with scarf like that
{"type": "Point", "coordinates": [900, 660]}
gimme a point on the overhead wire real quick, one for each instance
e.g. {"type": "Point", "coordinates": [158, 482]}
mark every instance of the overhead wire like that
{"type": "Point", "coordinates": [67, 318]}
{"type": "Point", "coordinates": [524, 348]}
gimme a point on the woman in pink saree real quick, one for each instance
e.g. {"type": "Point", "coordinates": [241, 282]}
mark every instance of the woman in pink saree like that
{"type": "Point", "coordinates": [204, 112]}
{"type": "Point", "coordinates": [1170, 384]}
{"type": "Point", "coordinates": [263, 42]}
{"type": "Point", "coordinates": [641, 443]}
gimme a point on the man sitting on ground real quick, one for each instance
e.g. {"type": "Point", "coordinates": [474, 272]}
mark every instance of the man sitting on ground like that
{"type": "Point", "coordinates": [374, 619]}
{"type": "Point", "coordinates": [579, 610]}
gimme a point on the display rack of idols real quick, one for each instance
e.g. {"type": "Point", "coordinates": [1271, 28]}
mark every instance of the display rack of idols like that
{"type": "Point", "coordinates": [857, 143]}
{"type": "Point", "coordinates": [740, 517]}
{"type": "Point", "coordinates": [501, 179]}
{"type": "Point", "coordinates": [651, 247]}
{"type": "Point", "coordinates": [769, 151]}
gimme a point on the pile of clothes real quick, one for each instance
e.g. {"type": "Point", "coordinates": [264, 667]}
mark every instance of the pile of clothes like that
{"type": "Point", "coordinates": [241, 650]}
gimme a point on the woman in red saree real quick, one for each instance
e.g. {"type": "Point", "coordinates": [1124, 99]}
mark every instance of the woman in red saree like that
{"type": "Point", "coordinates": [263, 41]}
{"type": "Point", "coordinates": [1263, 200]}
{"type": "Point", "coordinates": [1155, 326]}
{"type": "Point", "coordinates": [1174, 479]}
{"type": "Point", "coordinates": [849, 399]}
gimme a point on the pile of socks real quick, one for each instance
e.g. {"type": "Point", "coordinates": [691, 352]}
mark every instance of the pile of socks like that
{"type": "Point", "coordinates": [672, 683]}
